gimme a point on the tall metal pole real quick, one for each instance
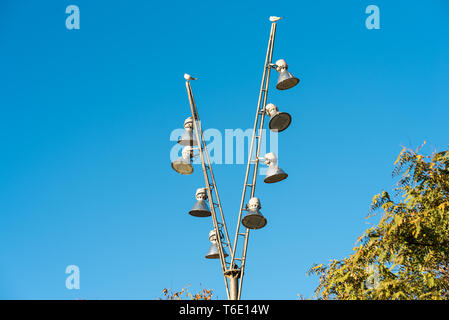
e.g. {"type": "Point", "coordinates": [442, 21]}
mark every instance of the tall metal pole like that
{"type": "Point", "coordinates": [203, 149]}
{"type": "Point", "coordinates": [234, 285]}
{"type": "Point", "coordinates": [215, 187]}
{"type": "Point", "coordinates": [260, 115]}
{"type": "Point", "coordinates": [256, 160]}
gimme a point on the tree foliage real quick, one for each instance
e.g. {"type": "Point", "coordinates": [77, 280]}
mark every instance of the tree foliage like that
{"type": "Point", "coordinates": [406, 255]}
{"type": "Point", "coordinates": [185, 294]}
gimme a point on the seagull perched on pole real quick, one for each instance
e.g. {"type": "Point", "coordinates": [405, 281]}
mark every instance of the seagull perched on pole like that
{"type": "Point", "coordinates": [274, 18]}
{"type": "Point", "coordinates": [189, 77]}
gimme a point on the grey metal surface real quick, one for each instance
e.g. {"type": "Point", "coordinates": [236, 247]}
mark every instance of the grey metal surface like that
{"type": "Point", "coordinates": [200, 209]}
{"type": "Point", "coordinates": [275, 174]}
{"type": "Point", "coordinates": [254, 220]}
{"type": "Point", "coordinates": [187, 139]}
{"type": "Point", "coordinates": [286, 80]}
{"type": "Point", "coordinates": [182, 166]}
{"type": "Point", "coordinates": [214, 253]}
{"type": "Point", "coordinates": [280, 121]}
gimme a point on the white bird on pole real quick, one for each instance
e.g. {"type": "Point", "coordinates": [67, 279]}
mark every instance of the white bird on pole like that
{"type": "Point", "coordinates": [189, 77]}
{"type": "Point", "coordinates": [274, 18]}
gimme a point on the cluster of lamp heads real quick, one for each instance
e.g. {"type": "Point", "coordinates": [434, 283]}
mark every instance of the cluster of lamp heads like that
{"type": "Point", "coordinates": [274, 173]}
{"type": "Point", "coordinates": [201, 209]}
{"type": "Point", "coordinates": [279, 121]}
{"type": "Point", "coordinates": [253, 219]}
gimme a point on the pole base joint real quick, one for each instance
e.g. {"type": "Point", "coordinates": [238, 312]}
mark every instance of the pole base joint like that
{"type": "Point", "coordinates": [232, 273]}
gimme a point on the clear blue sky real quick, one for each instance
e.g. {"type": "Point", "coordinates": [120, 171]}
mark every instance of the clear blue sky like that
{"type": "Point", "coordinates": [86, 116]}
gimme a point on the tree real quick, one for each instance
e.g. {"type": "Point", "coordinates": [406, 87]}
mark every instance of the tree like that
{"type": "Point", "coordinates": [406, 255]}
{"type": "Point", "coordinates": [204, 294]}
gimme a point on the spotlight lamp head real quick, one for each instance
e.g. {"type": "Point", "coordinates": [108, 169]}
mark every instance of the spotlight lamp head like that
{"type": "Point", "coordinates": [286, 80]}
{"type": "Point", "coordinates": [270, 159]}
{"type": "Point", "coordinates": [200, 208]}
{"type": "Point", "coordinates": [280, 65]}
{"type": "Point", "coordinates": [254, 219]}
{"type": "Point", "coordinates": [187, 138]}
{"type": "Point", "coordinates": [279, 121]}
{"type": "Point", "coordinates": [188, 123]}
{"type": "Point", "coordinates": [274, 173]}
{"type": "Point", "coordinates": [213, 252]}
{"type": "Point", "coordinates": [183, 165]}
{"type": "Point", "coordinates": [201, 194]}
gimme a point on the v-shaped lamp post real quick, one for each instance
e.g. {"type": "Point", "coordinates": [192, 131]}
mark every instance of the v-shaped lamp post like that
{"type": "Point", "coordinates": [233, 270]}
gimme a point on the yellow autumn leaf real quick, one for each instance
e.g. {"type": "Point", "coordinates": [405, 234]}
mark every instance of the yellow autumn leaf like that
{"type": "Point", "coordinates": [399, 156]}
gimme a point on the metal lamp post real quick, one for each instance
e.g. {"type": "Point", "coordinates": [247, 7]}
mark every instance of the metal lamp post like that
{"type": "Point", "coordinates": [253, 219]}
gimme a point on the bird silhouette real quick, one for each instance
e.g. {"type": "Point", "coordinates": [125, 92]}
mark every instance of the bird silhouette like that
{"type": "Point", "coordinates": [274, 18]}
{"type": "Point", "coordinates": [189, 77]}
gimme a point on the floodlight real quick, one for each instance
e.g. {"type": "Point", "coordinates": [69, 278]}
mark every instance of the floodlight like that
{"type": "Point", "coordinates": [279, 121]}
{"type": "Point", "coordinates": [274, 173]}
{"type": "Point", "coordinates": [183, 165]}
{"type": "Point", "coordinates": [187, 138]}
{"type": "Point", "coordinates": [200, 208]}
{"type": "Point", "coordinates": [286, 80]}
{"type": "Point", "coordinates": [254, 219]}
{"type": "Point", "coordinates": [213, 252]}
